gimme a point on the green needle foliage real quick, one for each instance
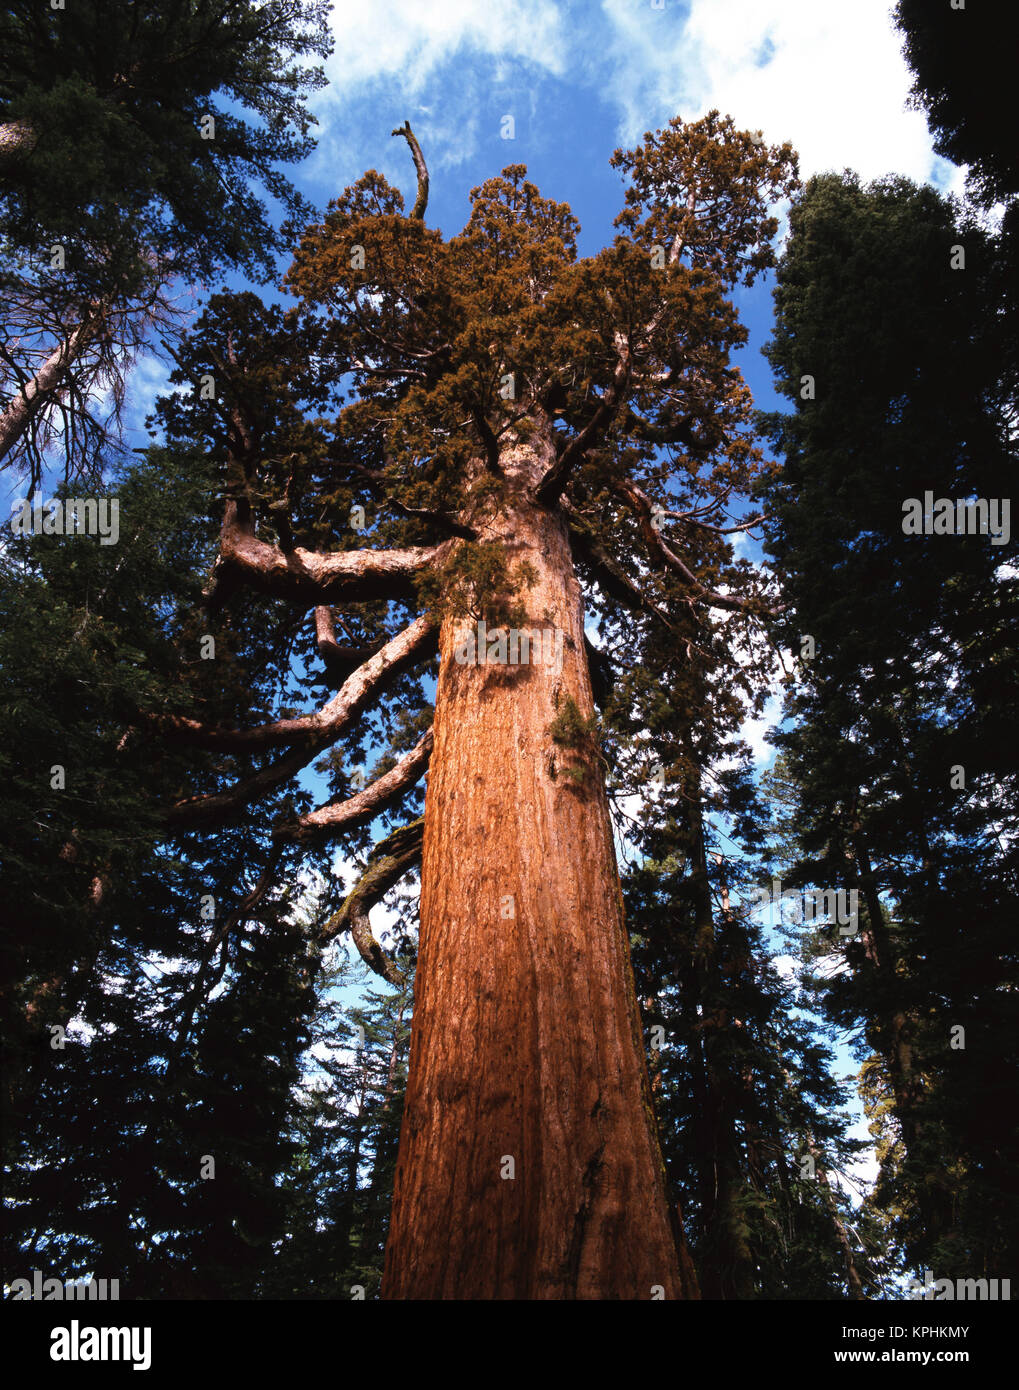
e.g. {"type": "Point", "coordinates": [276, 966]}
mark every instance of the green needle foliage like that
{"type": "Point", "coordinates": [898, 776]}
{"type": "Point", "coordinates": [114, 98]}
{"type": "Point", "coordinates": [138, 146]}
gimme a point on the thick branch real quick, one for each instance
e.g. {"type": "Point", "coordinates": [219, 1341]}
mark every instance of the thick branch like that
{"type": "Point", "coordinates": [311, 577]}
{"type": "Point", "coordinates": [311, 733]}
{"type": "Point", "coordinates": [338, 658]}
{"type": "Point", "coordinates": [391, 858]}
{"type": "Point", "coordinates": [678, 433]}
{"type": "Point", "coordinates": [421, 202]}
{"type": "Point", "coordinates": [339, 816]}
{"type": "Point", "coordinates": [601, 671]}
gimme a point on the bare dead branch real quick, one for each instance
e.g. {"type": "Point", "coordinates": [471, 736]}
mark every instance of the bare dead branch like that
{"type": "Point", "coordinates": [421, 202]}
{"type": "Point", "coordinates": [47, 382]}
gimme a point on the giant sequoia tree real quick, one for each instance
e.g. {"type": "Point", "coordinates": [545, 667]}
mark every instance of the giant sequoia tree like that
{"type": "Point", "coordinates": [520, 422]}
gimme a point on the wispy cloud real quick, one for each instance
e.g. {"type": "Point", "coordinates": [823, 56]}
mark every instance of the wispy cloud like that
{"type": "Point", "coordinates": [409, 39]}
{"type": "Point", "coordinates": [440, 63]}
{"type": "Point", "coordinates": [829, 78]}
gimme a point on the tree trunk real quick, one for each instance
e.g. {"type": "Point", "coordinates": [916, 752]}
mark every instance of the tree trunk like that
{"type": "Point", "coordinates": [896, 1028]}
{"type": "Point", "coordinates": [19, 412]}
{"type": "Point", "coordinates": [529, 1164]}
{"type": "Point", "coordinates": [821, 1174]}
{"type": "Point", "coordinates": [727, 1267]}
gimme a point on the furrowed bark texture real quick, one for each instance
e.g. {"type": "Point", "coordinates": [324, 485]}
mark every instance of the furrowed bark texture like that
{"type": "Point", "coordinates": [526, 1041]}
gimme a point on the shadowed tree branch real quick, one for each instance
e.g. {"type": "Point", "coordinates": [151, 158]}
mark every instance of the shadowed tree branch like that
{"type": "Point", "coordinates": [339, 660]}
{"type": "Point", "coordinates": [613, 580]}
{"type": "Point", "coordinates": [552, 485]}
{"type": "Point", "coordinates": [641, 506]}
{"type": "Point", "coordinates": [390, 860]}
{"type": "Point", "coordinates": [309, 576]}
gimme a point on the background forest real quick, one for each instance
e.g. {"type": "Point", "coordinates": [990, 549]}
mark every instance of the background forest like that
{"type": "Point", "coordinates": [206, 1039]}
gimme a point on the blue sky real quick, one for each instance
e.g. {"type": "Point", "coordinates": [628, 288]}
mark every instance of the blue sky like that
{"type": "Point", "coordinates": [580, 79]}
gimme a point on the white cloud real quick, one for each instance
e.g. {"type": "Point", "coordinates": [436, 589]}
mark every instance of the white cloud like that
{"type": "Point", "coordinates": [755, 731]}
{"type": "Point", "coordinates": [788, 967]}
{"type": "Point", "coordinates": [399, 55]}
{"type": "Point", "coordinates": [829, 78]}
{"type": "Point", "coordinates": [409, 39]}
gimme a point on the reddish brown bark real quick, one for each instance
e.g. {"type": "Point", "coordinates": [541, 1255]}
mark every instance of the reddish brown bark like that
{"type": "Point", "coordinates": [526, 1039]}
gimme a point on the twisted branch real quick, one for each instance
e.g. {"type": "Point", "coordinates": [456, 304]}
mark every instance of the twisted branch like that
{"type": "Point", "coordinates": [390, 860]}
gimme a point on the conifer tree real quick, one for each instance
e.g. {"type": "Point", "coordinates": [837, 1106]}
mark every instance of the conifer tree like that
{"type": "Point", "coordinates": [750, 1116]}
{"type": "Point", "coordinates": [133, 143]}
{"type": "Point", "coordinates": [899, 769]}
{"type": "Point", "coordinates": [519, 417]}
{"type": "Point", "coordinates": [160, 1000]}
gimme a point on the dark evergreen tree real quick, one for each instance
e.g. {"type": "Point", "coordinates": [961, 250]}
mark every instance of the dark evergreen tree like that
{"type": "Point", "coordinates": [962, 66]}
{"type": "Point", "coordinates": [752, 1120]}
{"type": "Point", "coordinates": [134, 142]}
{"type": "Point", "coordinates": [901, 775]}
{"type": "Point", "coordinates": [159, 1000]}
